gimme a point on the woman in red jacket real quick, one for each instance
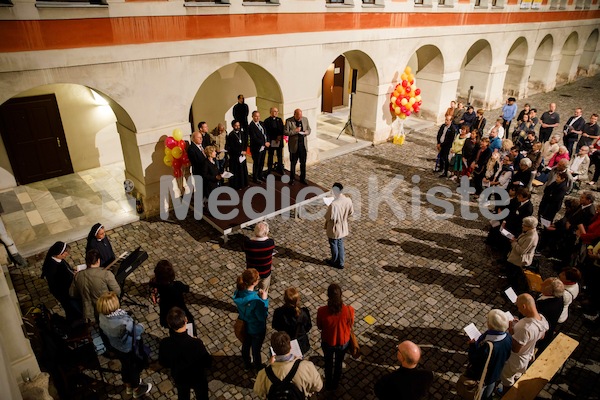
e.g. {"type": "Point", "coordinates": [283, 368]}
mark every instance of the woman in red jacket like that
{"type": "Point", "coordinates": [335, 321]}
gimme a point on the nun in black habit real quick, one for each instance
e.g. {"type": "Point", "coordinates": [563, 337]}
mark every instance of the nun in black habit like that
{"type": "Point", "coordinates": [98, 240]}
{"type": "Point", "coordinates": [59, 275]}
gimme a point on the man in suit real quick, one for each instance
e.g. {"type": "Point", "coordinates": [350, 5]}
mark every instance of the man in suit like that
{"type": "Point", "coordinates": [258, 146]}
{"type": "Point", "coordinates": [445, 137]}
{"type": "Point", "coordinates": [240, 113]}
{"type": "Point", "coordinates": [196, 153]}
{"type": "Point", "coordinates": [573, 130]}
{"type": "Point", "coordinates": [203, 129]}
{"type": "Point", "coordinates": [274, 126]}
{"type": "Point", "coordinates": [297, 128]}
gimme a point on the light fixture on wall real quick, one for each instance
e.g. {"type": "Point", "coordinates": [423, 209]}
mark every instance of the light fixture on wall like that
{"type": "Point", "coordinates": [98, 99]}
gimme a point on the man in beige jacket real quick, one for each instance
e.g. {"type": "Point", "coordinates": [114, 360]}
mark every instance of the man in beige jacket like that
{"type": "Point", "coordinates": [305, 377]}
{"type": "Point", "coordinates": [336, 224]}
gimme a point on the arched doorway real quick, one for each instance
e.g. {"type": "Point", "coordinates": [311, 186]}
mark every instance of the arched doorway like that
{"type": "Point", "coordinates": [428, 64]}
{"type": "Point", "coordinates": [587, 61]}
{"type": "Point", "coordinates": [566, 68]}
{"type": "Point", "coordinates": [218, 94]}
{"type": "Point", "coordinates": [541, 64]}
{"type": "Point", "coordinates": [515, 84]}
{"type": "Point", "coordinates": [475, 73]}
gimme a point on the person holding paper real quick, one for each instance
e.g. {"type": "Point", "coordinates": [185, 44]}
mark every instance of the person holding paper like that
{"type": "Point", "coordinates": [236, 145]}
{"type": "Point", "coordinates": [274, 126]}
{"type": "Point", "coordinates": [293, 319]}
{"type": "Point", "coordinates": [336, 225]}
{"type": "Point", "coordinates": [186, 356]}
{"type": "Point", "coordinates": [259, 143]}
{"type": "Point", "coordinates": [550, 305]}
{"type": "Point", "coordinates": [211, 177]}
{"type": "Point", "coordinates": [306, 377]}
{"type": "Point", "coordinates": [407, 382]}
{"type": "Point", "coordinates": [479, 350]}
{"type": "Point", "coordinates": [553, 197]}
{"type": "Point", "coordinates": [91, 283]}
{"type": "Point", "coordinates": [522, 252]}
{"type": "Point", "coordinates": [525, 334]}
{"type": "Point", "coordinates": [297, 128]}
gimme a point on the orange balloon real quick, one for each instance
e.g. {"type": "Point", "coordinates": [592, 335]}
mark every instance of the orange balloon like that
{"type": "Point", "coordinates": [404, 77]}
{"type": "Point", "coordinates": [407, 70]}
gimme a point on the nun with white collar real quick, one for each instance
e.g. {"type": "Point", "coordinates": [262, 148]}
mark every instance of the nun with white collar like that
{"type": "Point", "coordinates": [98, 240]}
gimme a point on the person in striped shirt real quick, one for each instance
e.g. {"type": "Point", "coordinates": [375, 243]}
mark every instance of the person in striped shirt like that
{"type": "Point", "coordinates": [259, 253]}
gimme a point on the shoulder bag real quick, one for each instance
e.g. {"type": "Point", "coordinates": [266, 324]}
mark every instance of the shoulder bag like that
{"type": "Point", "coordinates": [353, 347]}
{"type": "Point", "coordinates": [471, 389]}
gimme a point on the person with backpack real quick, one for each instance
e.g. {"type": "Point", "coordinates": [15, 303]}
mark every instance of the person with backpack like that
{"type": "Point", "coordinates": [287, 377]}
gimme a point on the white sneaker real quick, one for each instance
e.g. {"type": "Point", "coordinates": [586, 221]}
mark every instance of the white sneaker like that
{"type": "Point", "coordinates": [142, 390]}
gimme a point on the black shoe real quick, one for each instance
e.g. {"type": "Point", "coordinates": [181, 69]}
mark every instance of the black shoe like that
{"type": "Point", "coordinates": [337, 266]}
{"type": "Point", "coordinates": [328, 261]}
{"type": "Point", "coordinates": [444, 175]}
{"type": "Point", "coordinates": [291, 182]}
{"type": "Point", "coordinates": [303, 181]}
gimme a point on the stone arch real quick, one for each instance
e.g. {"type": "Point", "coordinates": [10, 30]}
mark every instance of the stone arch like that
{"type": "Point", "coordinates": [427, 63]}
{"type": "Point", "coordinates": [567, 68]}
{"type": "Point", "coordinates": [538, 77]}
{"type": "Point", "coordinates": [365, 99]}
{"type": "Point", "coordinates": [587, 63]}
{"type": "Point", "coordinates": [475, 72]}
{"type": "Point", "coordinates": [515, 82]}
{"type": "Point", "coordinates": [97, 129]}
{"type": "Point", "coordinates": [218, 93]}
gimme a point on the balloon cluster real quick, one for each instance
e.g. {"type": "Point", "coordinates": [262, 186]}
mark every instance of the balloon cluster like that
{"type": "Point", "coordinates": [406, 97]}
{"type": "Point", "coordinates": [175, 154]}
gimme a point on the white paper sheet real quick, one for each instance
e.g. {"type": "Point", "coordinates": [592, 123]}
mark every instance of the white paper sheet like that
{"type": "Point", "coordinates": [303, 133]}
{"type": "Point", "coordinates": [509, 316]}
{"type": "Point", "coordinates": [512, 296]}
{"type": "Point", "coordinates": [81, 267]}
{"type": "Point", "coordinates": [242, 159]}
{"type": "Point", "coordinates": [328, 200]}
{"type": "Point", "coordinates": [545, 223]}
{"type": "Point", "coordinates": [295, 349]}
{"type": "Point", "coordinates": [226, 175]}
{"type": "Point", "coordinates": [506, 233]}
{"type": "Point", "coordinates": [472, 331]}
{"type": "Point", "coordinates": [190, 329]}
{"type": "Point", "coordinates": [262, 148]}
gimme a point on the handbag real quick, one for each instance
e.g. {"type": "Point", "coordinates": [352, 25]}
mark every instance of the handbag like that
{"type": "Point", "coordinates": [353, 347]}
{"type": "Point", "coordinates": [239, 328]}
{"type": "Point", "coordinates": [471, 389]}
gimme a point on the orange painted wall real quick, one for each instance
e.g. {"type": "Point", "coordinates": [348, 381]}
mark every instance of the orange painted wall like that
{"type": "Point", "coordinates": [509, 2]}
{"type": "Point", "coordinates": [77, 33]}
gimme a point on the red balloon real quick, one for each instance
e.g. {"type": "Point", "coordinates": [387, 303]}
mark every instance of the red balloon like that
{"type": "Point", "coordinates": [412, 82]}
{"type": "Point", "coordinates": [404, 84]}
{"type": "Point", "coordinates": [408, 89]}
{"type": "Point", "coordinates": [181, 144]}
{"type": "Point", "coordinates": [407, 113]}
{"type": "Point", "coordinates": [420, 102]}
{"type": "Point", "coordinates": [170, 142]}
{"type": "Point", "coordinates": [176, 163]}
{"type": "Point", "coordinates": [417, 91]}
{"type": "Point", "coordinates": [403, 109]}
{"type": "Point", "coordinates": [177, 173]}
{"type": "Point", "coordinates": [416, 108]}
{"type": "Point", "coordinates": [398, 101]}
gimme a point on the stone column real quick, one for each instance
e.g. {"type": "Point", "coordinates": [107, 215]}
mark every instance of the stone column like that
{"type": "Point", "coordinates": [437, 91]}
{"type": "Point", "coordinates": [517, 75]}
{"type": "Point", "coordinates": [543, 76]}
{"type": "Point", "coordinates": [494, 96]}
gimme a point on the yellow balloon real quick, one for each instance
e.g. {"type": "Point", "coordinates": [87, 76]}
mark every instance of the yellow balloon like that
{"type": "Point", "coordinates": [168, 160]}
{"type": "Point", "coordinates": [411, 78]}
{"type": "Point", "coordinates": [412, 101]}
{"type": "Point", "coordinates": [403, 102]}
{"type": "Point", "coordinates": [177, 152]}
{"type": "Point", "coordinates": [418, 97]}
{"type": "Point", "coordinates": [402, 116]}
{"type": "Point", "coordinates": [393, 99]}
{"type": "Point", "coordinates": [404, 77]}
{"type": "Point", "coordinates": [177, 134]}
{"type": "Point", "coordinates": [167, 151]}
{"type": "Point", "coordinates": [397, 110]}
{"type": "Point", "coordinates": [407, 70]}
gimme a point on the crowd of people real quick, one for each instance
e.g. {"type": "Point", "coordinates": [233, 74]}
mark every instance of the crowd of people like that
{"type": "Point", "coordinates": [518, 162]}
{"type": "Point", "coordinates": [212, 154]}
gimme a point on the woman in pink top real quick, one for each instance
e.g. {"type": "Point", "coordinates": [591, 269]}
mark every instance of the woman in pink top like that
{"type": "Point", "coordinates": [562, 153]}
{"type": "Point", "coordinates": [335, 321]}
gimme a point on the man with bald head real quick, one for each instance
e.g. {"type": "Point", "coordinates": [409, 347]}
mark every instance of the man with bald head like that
{"type": "Point", "coordinates": [297, 128]}
{"type": "Point", "coordinates": [525, 333]}
{"type": "Point", "coordinates": [408, 382]}
{"type": "Point", "coordinates": [550, 120]}
{"type": "Point", "coordinates": [196, 150]}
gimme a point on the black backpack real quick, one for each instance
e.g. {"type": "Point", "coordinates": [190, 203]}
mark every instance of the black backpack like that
{"type": "Point", "coordinates": [284, 389]}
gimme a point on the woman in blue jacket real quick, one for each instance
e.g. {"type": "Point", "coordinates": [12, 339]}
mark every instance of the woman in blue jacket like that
{"type": "Point", "coordinates": [253, 309]}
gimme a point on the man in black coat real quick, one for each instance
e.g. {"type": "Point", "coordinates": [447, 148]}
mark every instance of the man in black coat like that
{"type": "Point", "coordinates": [196, 154]}
{"type": "Point", "coordinates": [573, 130]}
{"type": "Point", "coordinates": [550, 304]}
{"type": "Point", "coordinates": [445, 137]}
{"type": "Point", "coordinates": [258, 146]}
{"type": "Point", "coordinates": [240, 113]}
{"type": "Point", "coordinates": [274, 126]}
{"type": "Point", "coordinates": [186, 356]}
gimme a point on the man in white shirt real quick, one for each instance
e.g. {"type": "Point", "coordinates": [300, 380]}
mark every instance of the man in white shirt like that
{"type": "Point", "coordinates": [578, 167]}
{"type": "Point", "coordinates": [498, 128]}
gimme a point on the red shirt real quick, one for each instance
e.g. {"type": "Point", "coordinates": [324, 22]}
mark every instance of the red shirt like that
{"type": "Point", "coordinates": [335, 328]}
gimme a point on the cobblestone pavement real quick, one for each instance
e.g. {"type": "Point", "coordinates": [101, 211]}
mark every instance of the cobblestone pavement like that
{"type": "Point", "coordinates": [420, 278]}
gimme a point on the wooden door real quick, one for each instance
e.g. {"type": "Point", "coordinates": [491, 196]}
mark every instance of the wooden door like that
{"type": "Point", "coordinates": [34, 138]}
{"type": "Point", "coordinates": [327, 91]}
{"type": "Point", "coordinates": [339, 81]}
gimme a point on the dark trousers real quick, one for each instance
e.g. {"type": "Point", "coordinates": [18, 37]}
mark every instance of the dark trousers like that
{"type": "Point", "coordinates": [258, 162]}
{"type": "Point", "coordinates": [200, 388]}
{"type": "Point", "coordinates": [334, 357]}
{"type": "Point", "coordinates": [73, 308]}
{"type": "Point", "coordinates": [506, 126]}
{"type": "Point", "coordinates": [299, 155]}
{"type": "Point", "coordinates": [477, 181]}
{"type": "Point", "coordinates": [545, 134]}
{"type": "Point", "coordinates": [595, 161]}
{"type": "Point", "coordinates": [130, 369]}
{"type": "Point", "coordinates": [444, 163]}
{"type": "Point", "coordinates": [272, 151]}
{"type": "Point", "coordinates": [253, 342]}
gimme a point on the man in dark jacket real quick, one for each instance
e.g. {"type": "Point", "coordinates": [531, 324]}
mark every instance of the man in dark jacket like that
{"type": "Point", "coordinates": [445, 137]}
{"type": "Point", "coordinates": [258, 146]}
{"type": "Point", "coordinates": [186, 356]}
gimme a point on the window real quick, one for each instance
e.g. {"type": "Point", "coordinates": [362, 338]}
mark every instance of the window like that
{"type": "Point", "coordinates": [441, 2]}
{"type": "Point", "coordinates": [368, 1]}
{"type": "Point", "coordinates": [336, 1]}
{"type": "Point", "coordinates": [71, 3]}
{"type": "Point", "coordinates": [419, 2]}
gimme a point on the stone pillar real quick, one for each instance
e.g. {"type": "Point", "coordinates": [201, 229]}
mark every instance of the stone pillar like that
{"type": "Point", "coordinates": [543, 74]}
{"type": "Point", "coordinates": [368, 104]}
{"type": "Point", "coordinates": [493, 96]}
{"type": "Point", "coordinates": [437, 91]}
{"type": "Point", "coordinates": [517, 75]}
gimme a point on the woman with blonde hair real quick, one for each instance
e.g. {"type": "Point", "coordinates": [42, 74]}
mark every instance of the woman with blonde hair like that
{"type": "Point", "coordinates": [253, 310]}
{"type": "Point", "coordinates": [119, 327]}
{"type": "Point", "coordinates": [210, 171]}
{"type": "Point", "coordinates": [293, 319]}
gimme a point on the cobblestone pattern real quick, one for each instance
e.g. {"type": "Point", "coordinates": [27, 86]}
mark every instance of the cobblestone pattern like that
{"type": "Point", "coordinates": [422, 279]}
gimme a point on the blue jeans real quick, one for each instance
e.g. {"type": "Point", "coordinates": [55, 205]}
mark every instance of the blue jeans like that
{"type": "Point", "coordinates": [334, 357]}
{"type": "Point", "coordinates": [253, 342]}
{"type": "Point", "coordinates": [337, 251]}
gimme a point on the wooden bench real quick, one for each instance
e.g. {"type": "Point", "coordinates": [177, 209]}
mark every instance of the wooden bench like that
{"type": "Point", "coordinates": [543, 369]}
